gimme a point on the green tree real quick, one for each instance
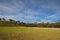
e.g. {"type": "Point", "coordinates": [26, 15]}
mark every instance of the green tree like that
{"type": "Point", "coordinates": [0, 19]}
{"type": "Point", "coordinates": [3, 19]}
{"type": "Point", "coordinates": [11, 20]}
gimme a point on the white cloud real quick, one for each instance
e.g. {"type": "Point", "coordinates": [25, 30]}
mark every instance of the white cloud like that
{"type": "Point", "coordinates": [48, 4]}
{"type": "Point", "coordinates": [7, 16]}
{"type": "Point", "coordinates": [54, 16]}
{"type": "Point", "coordinates": [45, 21]}
{"type": "Point", "coordinates": [23, 11]}
{"type": "Point", "coordinates": [31, 12]}
{"type": "Point", "coordinates": [12, 7]}
{"type": "Point", "coordinates": [31, 17]}
{"type": "Point", "coordinates": [5, 8]}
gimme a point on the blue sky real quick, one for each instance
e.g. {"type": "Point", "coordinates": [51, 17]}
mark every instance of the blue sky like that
{"type": "Point", "coordinates": [30, 10]}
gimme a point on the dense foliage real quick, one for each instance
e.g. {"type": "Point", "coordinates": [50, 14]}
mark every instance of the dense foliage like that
{"type": "Point", "coordinates": [11, 22]}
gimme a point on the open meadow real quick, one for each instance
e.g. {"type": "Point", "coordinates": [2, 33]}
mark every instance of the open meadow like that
{"type": "Point", "coordinates": [29, 33]}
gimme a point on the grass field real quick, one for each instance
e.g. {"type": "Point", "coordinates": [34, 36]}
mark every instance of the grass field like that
{"type": "Point", "coordinates": [29, 33]}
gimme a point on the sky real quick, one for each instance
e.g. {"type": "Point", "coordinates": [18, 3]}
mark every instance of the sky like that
{"type": "Point", "coordinates": [30, 10]}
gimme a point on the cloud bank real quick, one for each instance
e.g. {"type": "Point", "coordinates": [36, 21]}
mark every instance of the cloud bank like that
{"type": "Point", "coordinates": [30, 10]}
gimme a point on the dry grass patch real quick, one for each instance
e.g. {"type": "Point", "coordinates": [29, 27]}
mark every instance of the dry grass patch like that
{"type": "Point", "coordinates": [24, 33]}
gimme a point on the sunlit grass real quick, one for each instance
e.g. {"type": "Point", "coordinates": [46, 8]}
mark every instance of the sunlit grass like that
{"type": "Point", "coordinates": [28, 33]}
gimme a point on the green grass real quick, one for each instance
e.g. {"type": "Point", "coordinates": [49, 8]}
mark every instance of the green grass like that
{"type": "Point", "coordinates": [28, 33]}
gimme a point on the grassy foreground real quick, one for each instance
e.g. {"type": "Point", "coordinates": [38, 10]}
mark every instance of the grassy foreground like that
{"type": "Point", "coordinates": [28, 33]}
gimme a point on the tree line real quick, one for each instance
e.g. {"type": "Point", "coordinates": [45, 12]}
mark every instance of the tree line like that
{"type": "Point", "coordinates": [11, 22]}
